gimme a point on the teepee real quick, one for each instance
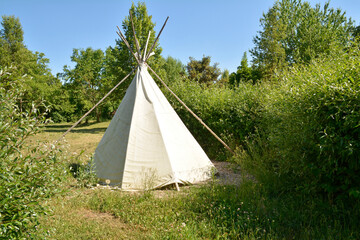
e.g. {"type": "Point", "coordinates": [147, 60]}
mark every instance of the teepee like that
{"type": "Point", "coordinates": [146, 145]}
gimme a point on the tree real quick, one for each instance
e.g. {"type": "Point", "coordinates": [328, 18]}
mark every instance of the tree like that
{"type": "Point", "coordinates": [174, 69]}
{"type": "Point", "coordinates": [85, 83]}
{"type": "Point", "coordinates": [232, 79]}
{"type": "Point", "coordinates": [356, 33]}
{"type": "Point", "coordinates": [244, 73]}
{"type": "Point", "coordinates": [202, 72]}
{"type": "Point", "coordinates": [39, 84]}
{"type": "Point", "coordinates": [224, 79]}
{"type": "Point", "coordinates": [294, 32]}
{"type": "Point", "coordinates": [11, 43]}
{"type": "Point", "coordinates": [119, 61]}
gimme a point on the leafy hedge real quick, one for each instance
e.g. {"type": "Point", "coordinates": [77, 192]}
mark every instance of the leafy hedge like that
{"type": "Point", "coordinates": [300, 133]}
{"type": "Point", "coordinates": [308, 138]}
{"type": "Point", "coordinates": [28, 174]}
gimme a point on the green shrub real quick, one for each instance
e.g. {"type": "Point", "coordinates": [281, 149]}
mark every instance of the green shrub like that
{"type": "Point", "coordinates": [84, 173]}
{"type": "Point", "coordinates": [28, 174]}
{"type": "Point", "coordinates": [309, 135]}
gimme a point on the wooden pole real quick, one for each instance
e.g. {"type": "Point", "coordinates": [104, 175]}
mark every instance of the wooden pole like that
{"type": "Point", "coordinates": [127, 44]}
{"type": "Point", "coordinates": [136, 41]}
{"type": "Point", "coordinates": [192, 113]}
{"type": "Point", "coordinates": [177, 186]}
{"type": "Point", "coordinates": [75, 124]}
{"type": "Point", "coordinates": [147, 42]}
{"type": "Point", "coordinates": [157, 38]}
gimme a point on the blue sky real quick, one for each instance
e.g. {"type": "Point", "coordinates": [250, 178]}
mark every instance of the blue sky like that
{"type": "Point", "coordinates": [221, 29]}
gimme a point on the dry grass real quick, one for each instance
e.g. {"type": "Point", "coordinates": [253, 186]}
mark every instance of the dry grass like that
{"type": "Point", "coordinates": [83, 138]}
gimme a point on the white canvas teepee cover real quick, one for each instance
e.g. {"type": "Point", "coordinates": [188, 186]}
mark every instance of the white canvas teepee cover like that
{"type": "Point", "coordinates": [146, 144]}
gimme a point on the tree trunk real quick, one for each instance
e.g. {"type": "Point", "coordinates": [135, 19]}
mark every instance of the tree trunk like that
{"type": "Point", "coordinates": [97, 115]}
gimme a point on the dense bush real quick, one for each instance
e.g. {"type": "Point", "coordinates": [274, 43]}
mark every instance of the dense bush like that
{"type": "Point", "coordinates": [28, 174]}
{"type": "Point", "coordinates": [231, 113]}
{"type": "Point", "coordinates": [309, 135]}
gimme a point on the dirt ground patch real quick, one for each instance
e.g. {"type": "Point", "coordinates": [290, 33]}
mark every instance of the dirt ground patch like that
{"type": "Point", "coordinates": [228, 173]}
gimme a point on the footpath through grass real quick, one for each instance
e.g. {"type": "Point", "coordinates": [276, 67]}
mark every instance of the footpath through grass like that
{"type": "Point", "coordinates": [209, 211]}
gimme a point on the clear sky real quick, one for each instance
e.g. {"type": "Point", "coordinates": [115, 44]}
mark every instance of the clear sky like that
{"type": "Point", "coordinates": [222, 29]}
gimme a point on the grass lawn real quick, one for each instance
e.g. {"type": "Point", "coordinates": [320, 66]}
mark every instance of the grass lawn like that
{"type": "Point", "coordinates": [208, 211]}
{"type": "Point", "coordinates": [83, 138]}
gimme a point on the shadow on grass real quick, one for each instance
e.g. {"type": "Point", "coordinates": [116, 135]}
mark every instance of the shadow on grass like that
{"type": "Point", "coordinates": [68, 125]}
{"type": "Point", "coordinates": [92, 130]}
{"type": "Point", "coordinates": [63, 126]}
{"type": "Point", "coordinates": [78, 129]}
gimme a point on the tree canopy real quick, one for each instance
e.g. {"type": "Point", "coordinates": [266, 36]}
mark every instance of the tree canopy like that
{"type": "Point", "coordinates": [202, 72]}
{"type": "Point", "coordinates": [85, 82]}
{"type": "Point", "coordinates": [294, 32]}
{"type": "Point", "coordinates": [39, 83]}
{"type": "Point", "coordinates": [243, 74]}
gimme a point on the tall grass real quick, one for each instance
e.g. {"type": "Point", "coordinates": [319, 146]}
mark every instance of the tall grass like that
{"type": "Point", "coordinates": [210, 211]}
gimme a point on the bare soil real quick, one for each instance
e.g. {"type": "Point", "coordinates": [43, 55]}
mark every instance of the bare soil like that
{"type": "Point", "coordinates": [228, 173]}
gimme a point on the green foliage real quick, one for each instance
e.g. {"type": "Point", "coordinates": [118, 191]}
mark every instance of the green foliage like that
{"type": "Point", "coordinates": [356, 32]}
{"type": "Point", "coordinates": [230, 113]}
{"type": "Point", "coordinates": [173, 70]}
{"type": "Point", "coordinates": [85, 84]}
{"type": "Point", "coordinates": [28, 174]}
{"type": "Point", "coordinates": [244, 73]}
{"type": "Point", "coordinates": [84, 173]}
{"type": "Point", "coordinates": [11, 41]}
{"type": "Point", "coordinates": [39, 85]}
{"type": "Point", "coordinates": [62, 105]}
{"type": "Point", "coordinates": [309, 137]}
{"type": "Point", "coordinates": [202, 72]}
{"type": "Point", "coordinates": [294, 32]}
{"type": "Point", "coordinates": [224, 79]}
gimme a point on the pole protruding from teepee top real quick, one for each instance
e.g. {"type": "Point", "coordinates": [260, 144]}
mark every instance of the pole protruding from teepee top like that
{"type": "Point", "coordinates": [157, 38]}
{"type": "Point", "coordinates": [140, 59]}
{"type": "Point", "coordinates": [127, 44]}
{"type": "Point", "coordinates": [146, 45]}
{"type": "Point", "coordinates": [136, 40]}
